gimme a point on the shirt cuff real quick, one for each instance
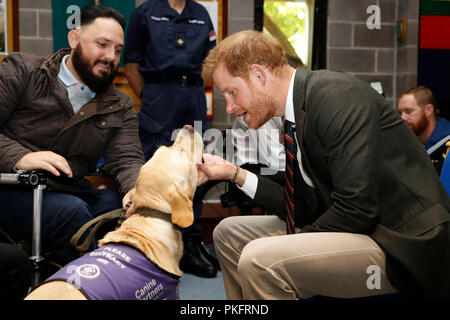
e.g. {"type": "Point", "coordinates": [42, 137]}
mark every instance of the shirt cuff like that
{"type": "Point", "coordinates": [250, 185]}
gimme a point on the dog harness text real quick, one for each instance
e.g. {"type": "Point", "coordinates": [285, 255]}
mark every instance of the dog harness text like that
{"type": "Point", "coordinates": [119, 272]}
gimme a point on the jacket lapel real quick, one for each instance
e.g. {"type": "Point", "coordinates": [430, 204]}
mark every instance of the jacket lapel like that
{"type": "Point", "coordinates": [299, 103]}
{"type": "Point", "coordinates": [299, 96]}
{"type": "Point", "coordinates": [51, 66]}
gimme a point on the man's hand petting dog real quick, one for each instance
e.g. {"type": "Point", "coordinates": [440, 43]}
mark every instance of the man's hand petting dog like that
{"type": "Point", "coordinates": [215, 168]}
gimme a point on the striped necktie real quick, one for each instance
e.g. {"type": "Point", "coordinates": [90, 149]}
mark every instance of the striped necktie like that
{"type": "Point", "coordinates": [291, 160]}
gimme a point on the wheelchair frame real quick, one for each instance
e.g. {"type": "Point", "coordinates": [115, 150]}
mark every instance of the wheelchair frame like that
{"type": "Point", "coordinates": [38, 181]}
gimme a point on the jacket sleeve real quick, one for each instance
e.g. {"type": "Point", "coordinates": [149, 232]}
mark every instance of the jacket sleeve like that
{"type": "Point", "coordinates": [13, 77]}
{"type": "Point", "coordinates": [270, 196]}
{"type": "Point", "coordinates": [123, 156]}
{"type": "Point", "coordinates": [347, 122]}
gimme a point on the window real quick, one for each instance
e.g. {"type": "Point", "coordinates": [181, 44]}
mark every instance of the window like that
{"type": "Point", "coordinates": [288, 21]}
{"type": "Point", "coordinates": [299, 25]}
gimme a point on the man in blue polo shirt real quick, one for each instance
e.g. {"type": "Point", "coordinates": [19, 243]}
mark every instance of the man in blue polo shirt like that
{"type": "Point", "coordinates": [166, 43]}
{"type": "Point", "coordinates": [417, 107]}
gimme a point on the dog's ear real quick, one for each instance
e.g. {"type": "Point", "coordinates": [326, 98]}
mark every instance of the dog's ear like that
{"type": "Point", "coordinates": [182, 212]}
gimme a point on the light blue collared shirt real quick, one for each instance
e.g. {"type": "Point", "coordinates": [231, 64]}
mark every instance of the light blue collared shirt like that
{"type": "Point", "coordinates": [79, 93]}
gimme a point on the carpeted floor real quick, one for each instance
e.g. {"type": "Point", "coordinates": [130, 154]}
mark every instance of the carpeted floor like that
{"type": "Point", "coordinates": [195, 288]}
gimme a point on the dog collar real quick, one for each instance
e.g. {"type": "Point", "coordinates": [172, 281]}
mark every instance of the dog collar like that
{"type": "Point", "coordinates": [156, 214]}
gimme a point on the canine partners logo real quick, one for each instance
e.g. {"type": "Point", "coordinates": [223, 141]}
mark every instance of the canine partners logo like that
{"type": "Point", "coordinates": [88, 271]}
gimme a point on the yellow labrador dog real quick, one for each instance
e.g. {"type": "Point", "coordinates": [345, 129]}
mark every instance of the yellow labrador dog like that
{"type": "Point", "coordinates": [140, 260]}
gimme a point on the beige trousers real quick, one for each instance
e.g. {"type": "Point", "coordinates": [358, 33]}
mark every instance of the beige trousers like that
{"type": "Point", "coordinates": [259, 261]}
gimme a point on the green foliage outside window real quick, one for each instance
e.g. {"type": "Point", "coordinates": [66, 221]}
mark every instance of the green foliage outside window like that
{"type": "Point", "coordinates": [291, 18]}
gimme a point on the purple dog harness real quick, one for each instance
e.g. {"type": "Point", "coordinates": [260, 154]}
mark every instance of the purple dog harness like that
{"type": "Point", "coordinates": [119, 272]}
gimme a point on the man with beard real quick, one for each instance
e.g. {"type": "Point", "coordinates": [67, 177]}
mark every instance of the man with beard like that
{"type": "Point", "coordinates": [417, 107]}
{"type": "Point", "coordinates": [362, 212]}
{"type": "Point", "coordinates": [61, 115]}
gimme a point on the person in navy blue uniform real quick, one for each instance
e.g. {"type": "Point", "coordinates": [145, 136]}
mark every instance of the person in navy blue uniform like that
{"type": "Point", "coordinates": [165, 45]}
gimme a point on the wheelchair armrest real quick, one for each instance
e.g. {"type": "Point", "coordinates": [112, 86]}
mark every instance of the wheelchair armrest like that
{"type": "Point", "coordinates": [27, 178]}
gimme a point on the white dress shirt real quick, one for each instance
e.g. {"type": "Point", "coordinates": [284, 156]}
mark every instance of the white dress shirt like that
{"type": "Point", "coordinates": [251, 182]}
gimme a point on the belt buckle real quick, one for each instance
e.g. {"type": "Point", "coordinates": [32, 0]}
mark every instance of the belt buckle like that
{"type": "Point", "coordinates": [184, 80]}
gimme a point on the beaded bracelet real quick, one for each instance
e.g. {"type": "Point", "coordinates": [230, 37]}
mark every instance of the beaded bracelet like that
{"type": "Point", "coordinates": [235, 174]}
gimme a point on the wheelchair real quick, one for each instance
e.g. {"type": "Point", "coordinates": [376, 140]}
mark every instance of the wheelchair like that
{"type": "Point", "coordinates": [37, 181]}
{"type": "Point", "coordinates": [42, 265]}
{"type": "Point", "coordinates": [438, 153]}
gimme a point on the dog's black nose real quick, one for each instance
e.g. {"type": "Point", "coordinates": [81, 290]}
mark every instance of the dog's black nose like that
{"type": "Point", "coordinates": [189, 128]}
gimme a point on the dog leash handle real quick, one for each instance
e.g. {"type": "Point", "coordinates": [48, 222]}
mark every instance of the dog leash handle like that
{"type": "Point", "coordinates": [98, 222]}
{"type": "Point", "coordinates": [124, 216]}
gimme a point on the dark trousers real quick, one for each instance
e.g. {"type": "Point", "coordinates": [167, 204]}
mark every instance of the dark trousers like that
{"type": "Point", "coordinates": [15, 272]}
{"type": "Point", "coordinates": [62, 215]}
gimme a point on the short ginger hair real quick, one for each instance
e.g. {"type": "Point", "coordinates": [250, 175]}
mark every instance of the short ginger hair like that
{"type": "Point", "coordinates": [240, 50]}
{"type": "Point", "coordinates": [422, 94]}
